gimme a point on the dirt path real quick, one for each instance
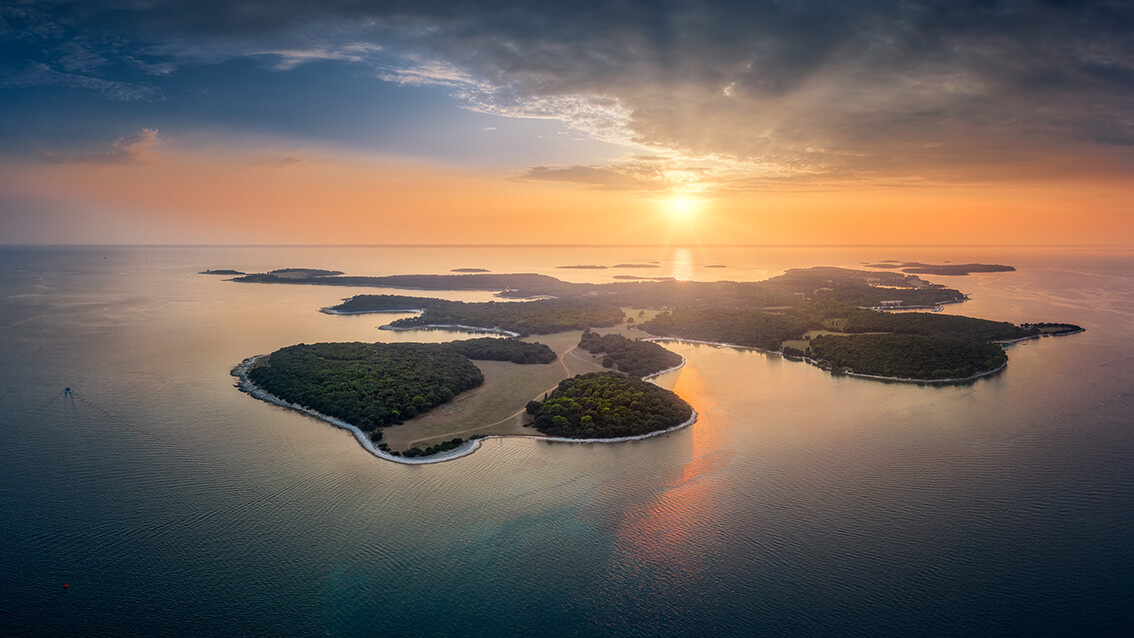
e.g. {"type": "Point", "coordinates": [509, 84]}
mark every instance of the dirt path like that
{"type": "Point", "coordinates": [567, 375]}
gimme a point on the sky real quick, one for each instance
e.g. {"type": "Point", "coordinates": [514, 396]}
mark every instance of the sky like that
{"type": "Point", "coordinates": [612, 122]}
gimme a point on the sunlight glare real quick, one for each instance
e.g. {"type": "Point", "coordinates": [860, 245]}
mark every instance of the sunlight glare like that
{"type": "Point", "coordinates": [682, 208]}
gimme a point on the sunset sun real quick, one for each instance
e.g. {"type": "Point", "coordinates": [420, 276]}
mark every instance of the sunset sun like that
{"type": "Point", "coordinates": [682, 208]}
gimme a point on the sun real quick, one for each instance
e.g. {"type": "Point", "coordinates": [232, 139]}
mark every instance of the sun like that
{"type": "Point", "coordinates": [682, 208]}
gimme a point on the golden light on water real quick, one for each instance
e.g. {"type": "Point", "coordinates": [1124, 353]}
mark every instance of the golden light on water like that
{"type": "Point", "coordinates": [662, 531]}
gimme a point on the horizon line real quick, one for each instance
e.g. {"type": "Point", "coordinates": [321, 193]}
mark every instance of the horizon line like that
{"type": "Point", "coordinates": [667, 245]}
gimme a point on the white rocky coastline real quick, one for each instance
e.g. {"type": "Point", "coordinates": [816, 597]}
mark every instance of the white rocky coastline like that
{"type": "Point", "coordinates": [468, 447]}
{"type": "Point", "coordinates": [876, 377]}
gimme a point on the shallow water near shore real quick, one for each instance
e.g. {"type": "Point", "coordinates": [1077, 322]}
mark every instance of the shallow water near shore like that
{"type": "Point", "coordinates": [798, 504]}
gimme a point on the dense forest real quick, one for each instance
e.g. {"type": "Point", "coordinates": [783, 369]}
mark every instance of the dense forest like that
{"type": "Point", "coordinates": [385, 303]}
{"type": "Point", "coordinates": [603, 405]}
{"type": "Point", "coordinates": [1054, 328]}
{"type": "Point", "coordinates": [369, 385]}
{"type": "Point", "coordinates": [753, 328]}
{"type": "Point", "coordinates": [909, 355]}
{"type": "Point", "coordinates": [545, 316]}
{"type": "Point", "coordinates": [514, 350]}
{"type": "Point", "coordinates": [635, 358]}
{"type": "Point", "coordinates": [927, 323]}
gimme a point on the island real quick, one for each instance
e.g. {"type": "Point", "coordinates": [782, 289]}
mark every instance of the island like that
{"type": "Point", "coordinates": [223, 271]}
{"type": "Point", "coordinates": [605, 405]}
{"type": "Point", "coordinates": [470, 270]}
{"type": "Point", "coordinates": [948, 270]}
{"type": "Point", "coordinates": [840, 320]}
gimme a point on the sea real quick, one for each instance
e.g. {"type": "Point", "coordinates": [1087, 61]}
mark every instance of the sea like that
{"type": "Point", "coordinates": [156, 499]}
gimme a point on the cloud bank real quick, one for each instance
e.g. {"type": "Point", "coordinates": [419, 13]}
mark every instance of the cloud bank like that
{"type": "Point", "coordinates": [723, 95]}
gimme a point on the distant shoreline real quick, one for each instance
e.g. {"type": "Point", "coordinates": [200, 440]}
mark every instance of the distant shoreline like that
{"type": "Point", "coordinates": [448, 326]}
{"type": "Point", "coordinates": [331, 311]}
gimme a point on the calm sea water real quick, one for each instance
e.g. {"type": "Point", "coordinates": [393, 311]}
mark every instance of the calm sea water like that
{"type": "Point", "coordinates": [800, 504]}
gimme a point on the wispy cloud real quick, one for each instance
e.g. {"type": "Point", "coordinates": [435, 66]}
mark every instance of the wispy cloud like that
{"type": "Point", "coordinates": [350, 52]}
{"type": "Point", "coordinates": [293, 159]}
{"type": "Point", "coordinates": [40, 75]}
{"type": "Point", "coordinates": [137, 148]}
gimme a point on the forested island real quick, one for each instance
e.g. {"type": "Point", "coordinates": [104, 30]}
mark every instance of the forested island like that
{"type": "Point", "coordinates": [606, 405]}
{"type": "Point", "coordinates": [369, 385]}
{"type": "Point", "coordinates": [949, 270]}
{"type": "Point", "coordinates": [635, 358]}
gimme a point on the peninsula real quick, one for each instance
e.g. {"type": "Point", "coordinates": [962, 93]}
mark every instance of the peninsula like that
{"type": "Point", "coordinates": [834, 318]}
{"type": "Point", "coordinates": [848, 308]}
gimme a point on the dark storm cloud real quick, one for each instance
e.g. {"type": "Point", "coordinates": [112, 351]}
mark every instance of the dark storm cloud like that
{"type": "Point", "coordinates": [896, 89]}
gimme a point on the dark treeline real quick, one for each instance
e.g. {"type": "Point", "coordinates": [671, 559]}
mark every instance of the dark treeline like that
{"type": "Point", "coordinates": [514, 350]}
{"type": "Point", "coordinates": [635, 358]}
{"type": "Point", "coordinates": [603, 405]}
{"type": "Point", "coordinates": [545, 316]}
{"type": "Point", "coordinates": [1054, 328]}
{"type": "Point", "coordinates": [386, 303]}
{"type": "Point", "coordinates": [438, 448]}
{"type": "Point", "coordinates": [794, 287]}
{"type": "Point", "coordinates": [537, 284]}
{"type": "Point", "coordinates": [926, 323]}
{"type": "Point", "coordinates": [751, 328]}
{"type": "Point", "coordinates": [369, 385]}
{"type": "Point", "coordinates": [909, 355]}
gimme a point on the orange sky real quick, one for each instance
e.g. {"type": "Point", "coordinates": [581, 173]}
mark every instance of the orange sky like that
{"type": "Point", "coordinates": [174, 197]}
{"type": "Point", "coordinates": [807, 122]}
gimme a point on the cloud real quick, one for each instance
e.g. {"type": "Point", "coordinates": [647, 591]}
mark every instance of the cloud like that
{"type": "Point", "coordinates": [280, 162]}
{"type": "Point", "coordinates": [804, 91]}
{"type": "Point", "coordinates": [41, 75]}
{"type": "Point", "coordinates": [350, 52]}
{"type": "Point", "coordinates": [77, 58]}
{"type": "Point", "coordinates": [645, 173]}
{"type": "Point", "coordinates": [136, 148]}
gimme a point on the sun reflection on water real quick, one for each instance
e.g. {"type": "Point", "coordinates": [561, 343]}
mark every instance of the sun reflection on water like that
{"type": "Point", "coordinates": [682, 269]}
{"type": "Point", "coordinates": [661, 532]}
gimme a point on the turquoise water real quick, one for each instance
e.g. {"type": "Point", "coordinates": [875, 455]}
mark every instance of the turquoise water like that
{"type": "Point", "coordinates": [799, 504]}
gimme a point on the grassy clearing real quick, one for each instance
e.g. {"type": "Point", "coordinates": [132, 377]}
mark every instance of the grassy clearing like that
{"type": "Point", "coordinates": [497, 407]}
{"type": "Point", "coordinates": [640, 315]}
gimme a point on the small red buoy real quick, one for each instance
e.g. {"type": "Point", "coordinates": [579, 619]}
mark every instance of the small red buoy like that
{"type": "Point", "coordinates": [65, 585]}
